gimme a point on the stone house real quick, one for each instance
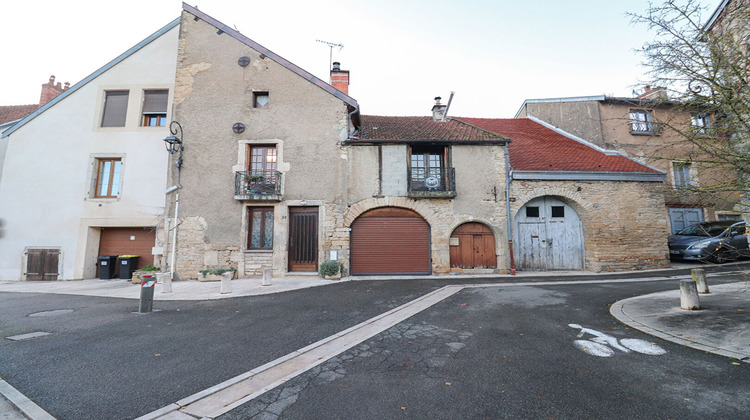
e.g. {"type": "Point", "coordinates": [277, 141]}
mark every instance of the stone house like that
{"type": "Point", "coordinates": [279, 169]}
{"type": "Point", "coordinates": [635, 127]}
{"type": "Point", "coordinates": [84, 174]}
{"type": "Point", "coordinates": [577, 206]}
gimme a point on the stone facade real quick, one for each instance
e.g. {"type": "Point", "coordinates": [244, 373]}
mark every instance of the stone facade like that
{"type": "Point", "coordinates": [322, 166]}
{"type": "Point", "coordinates": [624, 223]}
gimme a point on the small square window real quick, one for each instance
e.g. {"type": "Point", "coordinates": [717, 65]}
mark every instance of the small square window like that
{"type": "Point", "coordinates": [532, 211]}
{"type": "Point", "coordinates": [107, 182]}
{"type": "Point", "coordinates": [260, 99]}
{"type": "Point", "coordinates": [115, 108]}
{"type": "Point", "coordinates": [155, 108]}
{"type": "Point", "coordinates": [558, 211]}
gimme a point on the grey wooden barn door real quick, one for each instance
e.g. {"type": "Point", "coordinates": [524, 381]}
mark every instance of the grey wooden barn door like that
{"type": "Point", "coordinates": [549, 236]}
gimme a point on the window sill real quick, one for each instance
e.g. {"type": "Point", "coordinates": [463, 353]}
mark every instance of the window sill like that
{"type": "Point", "coordinates": [645, 133]}
{"type": "Point", "coordinates": [258, 251]}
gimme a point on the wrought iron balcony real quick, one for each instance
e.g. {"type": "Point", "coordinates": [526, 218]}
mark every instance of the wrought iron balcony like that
{"type": "Point", "coordinates": [257, 185]}
{"type": "Point", "coordinates": [431, 182]}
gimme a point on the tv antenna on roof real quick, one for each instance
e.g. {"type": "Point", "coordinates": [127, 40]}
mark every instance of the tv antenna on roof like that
{"type": "Point", "coordinates": [331, 45]}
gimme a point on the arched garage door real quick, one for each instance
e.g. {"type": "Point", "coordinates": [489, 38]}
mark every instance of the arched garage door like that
{"type": "Point", "coordinates": [390, 240]}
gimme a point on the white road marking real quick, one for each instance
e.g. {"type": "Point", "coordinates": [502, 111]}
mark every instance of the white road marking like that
{"type": "Point", "coordinates": [27, 336]}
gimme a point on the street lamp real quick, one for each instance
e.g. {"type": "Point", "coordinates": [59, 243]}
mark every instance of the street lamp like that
{"type": "Point", "coordinates": [173, 143]}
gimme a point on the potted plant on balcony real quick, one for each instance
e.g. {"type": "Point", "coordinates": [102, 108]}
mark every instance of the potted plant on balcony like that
{"type": "Point", "coordinates": [215, 274]}
{"type": "Point", "coordinates": [331, 270]}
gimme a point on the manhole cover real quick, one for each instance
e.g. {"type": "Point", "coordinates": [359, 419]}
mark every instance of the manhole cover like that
{"type": "Point", "coordinates": [52, 313]}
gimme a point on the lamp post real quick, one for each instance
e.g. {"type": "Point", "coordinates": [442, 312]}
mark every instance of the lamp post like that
{"type": "Point", "coordinates": [173, 144]}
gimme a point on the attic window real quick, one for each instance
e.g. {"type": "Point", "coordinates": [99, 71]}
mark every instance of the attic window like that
{"type": "Point", "coordinates": [115, 108]}
{"type": "Point", "coordinates": [260, 100]}
{"type": "Point", "coordinates": [155, 108]}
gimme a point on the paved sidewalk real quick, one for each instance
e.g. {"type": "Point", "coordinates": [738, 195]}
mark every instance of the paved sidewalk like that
{"type": "Point", "coordinates": [721, 326]}
{"type": "Point", "coordinates": [195, 290]}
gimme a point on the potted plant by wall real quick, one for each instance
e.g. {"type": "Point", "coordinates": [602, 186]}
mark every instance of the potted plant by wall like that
{"type": "Point", "coordinates": [149, 270]}
{"type": "Point", "coordinates": [331, 270]}
{"type": "Point", "coordinates": [215, 274]}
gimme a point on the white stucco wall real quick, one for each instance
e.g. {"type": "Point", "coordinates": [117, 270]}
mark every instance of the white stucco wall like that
{"type": "Point", "coordinates": [45, 193]}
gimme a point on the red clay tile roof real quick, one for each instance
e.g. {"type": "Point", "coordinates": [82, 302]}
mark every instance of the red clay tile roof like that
{"type": "Point", "coordinates": [534, 147]}
{"type": "Point", "coordinates": [382, 128]}
{"type": "Point", "coordinates": [14, 112]}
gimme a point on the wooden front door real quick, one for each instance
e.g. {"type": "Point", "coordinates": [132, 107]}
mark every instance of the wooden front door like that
{"type": "Point", "coordinates": [41, 264]}
{"type": "Point", "coordinates": [475, 247]}
{"type": "Point", "coordinates": [549, 236]}
{"type": "Point", "coordinates": [303, 239]}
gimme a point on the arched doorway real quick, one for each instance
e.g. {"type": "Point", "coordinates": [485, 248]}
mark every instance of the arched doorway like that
{"type": "Point", "coordinates": [390, 240]}
{"type": "Point", "coordinates": [548, 236]}
{"type": "Point", "coordinates": [472, 245]}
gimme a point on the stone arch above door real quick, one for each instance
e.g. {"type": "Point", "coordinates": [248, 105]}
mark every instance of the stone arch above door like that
{"type": "Point", "coordinates": [472, 245]}
{"type": "Point", "coordinates": [390, 240]}
{"type": "Point", "coordinates": [548, 235]}
{"type": "Point", "coordinates": [363, 206]}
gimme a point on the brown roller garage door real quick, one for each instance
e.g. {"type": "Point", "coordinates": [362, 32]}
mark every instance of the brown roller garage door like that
{"type": "Point", "coordinates": [390, 240]}
{"type": "Point", "coordinates": [128, 241]}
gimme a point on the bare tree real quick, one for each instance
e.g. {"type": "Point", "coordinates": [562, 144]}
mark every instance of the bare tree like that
{"type": "Point", "coordinates": [702, 60]}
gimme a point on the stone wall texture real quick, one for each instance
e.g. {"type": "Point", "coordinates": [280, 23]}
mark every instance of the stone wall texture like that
{"type": "Point", "coordinates": [624, 223]}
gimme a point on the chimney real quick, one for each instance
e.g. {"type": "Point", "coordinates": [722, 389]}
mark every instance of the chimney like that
{"type": "Point", "coordinates": [51, 89]}
{"type": "Point", "coordinates": [438, 110]}
{"type": "Point", "coordinates": [340, 78]}
{"type": "Point", "coordinates": [653, 93]}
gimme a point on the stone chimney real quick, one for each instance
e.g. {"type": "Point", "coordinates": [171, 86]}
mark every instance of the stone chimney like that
{"type": "Point", "coordinates": [51, 89]}
{"type": "Point", "coordinates": [340, 78]}
{"type": "Point", "coordinates": [438, 110]}
{"type": "Point", "coordinates": [656, 93]}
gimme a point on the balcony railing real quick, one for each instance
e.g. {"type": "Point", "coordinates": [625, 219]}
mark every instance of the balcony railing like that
{"type": "Point", "coordinates": [431, 182]}
{"type": "Point", "coordinates": [257, 185]}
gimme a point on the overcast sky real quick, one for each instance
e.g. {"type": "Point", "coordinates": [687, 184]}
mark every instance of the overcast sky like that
{"type": "Point", "coordinates": [401, 53]}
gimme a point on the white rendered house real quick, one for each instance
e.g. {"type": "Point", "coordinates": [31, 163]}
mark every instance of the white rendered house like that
{"type": "Point", "coordinates": [85, 174]}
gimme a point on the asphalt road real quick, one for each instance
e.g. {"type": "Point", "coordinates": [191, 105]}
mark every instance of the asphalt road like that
{"type": "Point", "coordinates": [503, 352]}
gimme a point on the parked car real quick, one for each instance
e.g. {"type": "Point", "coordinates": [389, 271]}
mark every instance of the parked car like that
{"type": "Point", "coordinates": [716, 242]}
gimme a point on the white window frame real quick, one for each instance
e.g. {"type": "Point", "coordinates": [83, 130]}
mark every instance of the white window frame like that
{"type": "Point", "coordinates": [642, 122]}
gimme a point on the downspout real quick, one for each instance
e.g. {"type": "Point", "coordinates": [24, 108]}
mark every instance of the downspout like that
{"type": "Point", "coordinates": [174, 236]}
{"type": "Point", "coordinates": [508, 179]}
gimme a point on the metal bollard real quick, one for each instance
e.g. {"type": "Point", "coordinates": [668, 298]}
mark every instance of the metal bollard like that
{"type": "Point", "coordinates": [226, 282]}
{"type": "Point", "coordinates": [147, 295]}
{"type": "Point", "coordinates": [689, 295]}
{"type": "Point", "coordinates": [267, 274]}
{"type": "Point", "coordinates": [699, 276]}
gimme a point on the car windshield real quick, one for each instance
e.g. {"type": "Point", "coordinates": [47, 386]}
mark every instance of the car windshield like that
{"type": "Point", "coordinates": [703, 230]}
